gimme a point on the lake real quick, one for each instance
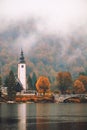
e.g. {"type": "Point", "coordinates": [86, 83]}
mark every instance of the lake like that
{"type": "Point", "coordinates": [45, 116]}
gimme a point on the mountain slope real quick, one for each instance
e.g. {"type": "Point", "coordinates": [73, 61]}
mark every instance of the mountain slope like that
{"type": "Point", "coordinates": [45, 53]}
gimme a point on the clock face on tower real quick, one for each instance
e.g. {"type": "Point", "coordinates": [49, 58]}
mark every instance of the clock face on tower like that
{"type": "Point", "coordinates": [22, 66]}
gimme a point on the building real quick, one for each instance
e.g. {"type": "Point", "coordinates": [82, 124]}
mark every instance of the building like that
{"type": "Point", "coordinates": [22, 71]}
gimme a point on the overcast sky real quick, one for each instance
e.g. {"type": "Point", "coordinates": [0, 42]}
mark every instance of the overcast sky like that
{"type": "Point", "coordinates": [56, 14]}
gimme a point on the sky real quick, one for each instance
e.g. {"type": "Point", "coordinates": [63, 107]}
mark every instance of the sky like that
{"type": "Point", "coordinates": [54, 15]}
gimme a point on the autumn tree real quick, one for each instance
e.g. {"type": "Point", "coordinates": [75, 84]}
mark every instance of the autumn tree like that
{"type": "Point", "coordinates": [78, 87]}
{"type": "Point", "coordinates": [83, 79]}
{"type": "Point", "coordinates": [43, 84]}
{"type": "Point", "coordinates": [64, 80]}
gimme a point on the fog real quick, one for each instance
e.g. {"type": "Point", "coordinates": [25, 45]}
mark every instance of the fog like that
{"type": "Point", "coordinates": [57, 15]}
{"type": "Point", "coordinates": [31, 20]}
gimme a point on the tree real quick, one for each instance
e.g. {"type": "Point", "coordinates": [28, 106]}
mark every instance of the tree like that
{"type": "Point", "coordinates": [34, 79]}
{"type": "Point", "coordinates": [78, 87]}
{"type": "Point", "coordinates": [6, 81]}
{"type": "Point", "coordinates": [18, 87]}
{"type": "Point", "coordinates": [83, 72]}
{"type": "Point", "coordinates": [0, 86]}
{"type": "Point", "coordinates": [83, 79]}
{"type": "Point", "coordinates": [43, 84]}
{"type": "Point", "coordinates": [64, 80]}
{"type": "Point", "coordinates": [11, 86]}
{"type": "Point", "coordinates": [29, 82]}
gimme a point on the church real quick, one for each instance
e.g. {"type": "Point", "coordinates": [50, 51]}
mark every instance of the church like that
{"type": "Point", "coordinates": [22, 71]}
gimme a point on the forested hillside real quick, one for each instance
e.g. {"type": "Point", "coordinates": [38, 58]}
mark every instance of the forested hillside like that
{"type": "Point", "coordinates": [45, 53]}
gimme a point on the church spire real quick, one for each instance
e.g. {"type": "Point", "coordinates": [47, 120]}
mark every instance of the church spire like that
{"type": "Point", "coordinates": [22, 60]}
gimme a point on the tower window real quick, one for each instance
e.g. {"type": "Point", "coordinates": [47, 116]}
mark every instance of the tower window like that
{"type": "Point", "coordinates": [22, 66]}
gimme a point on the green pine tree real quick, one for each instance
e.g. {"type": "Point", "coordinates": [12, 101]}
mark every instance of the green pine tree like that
{"type": "Point", "coordinates": [29, 82]}
{"type": "Point", "coordinates": [0, 86]}
{"type": "Point", "coordinates": [6, 81]}
{"type": "Point", "coordinates": [34, 79]}
{"type": "Point", "coordinates": [11, 86]}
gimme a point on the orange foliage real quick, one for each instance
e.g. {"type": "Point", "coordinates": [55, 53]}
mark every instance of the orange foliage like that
{"type": "Point", "coordinates": [64, 81]}
{"type": "Point", "coordinates": [83, 79]}
{"type": "Point", "coordinates": [78, 87]}
{"type": "Point", "coordinates": [42, 84]}
{"type": "Point", "coordinates": [23, 99]}
{"type": "Point", "coordinates": [18, 99]}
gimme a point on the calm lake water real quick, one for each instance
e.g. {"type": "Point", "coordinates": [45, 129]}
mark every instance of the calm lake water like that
{"type": "Point", "coordinates": [43, 116]}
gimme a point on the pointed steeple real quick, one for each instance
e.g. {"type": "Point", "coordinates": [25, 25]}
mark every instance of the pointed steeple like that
{"type": "Point", "coordinates": [22, 60]}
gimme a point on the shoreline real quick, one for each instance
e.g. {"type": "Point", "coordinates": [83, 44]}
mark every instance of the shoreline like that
{"type": "Point", "coordinates": [41, 99]}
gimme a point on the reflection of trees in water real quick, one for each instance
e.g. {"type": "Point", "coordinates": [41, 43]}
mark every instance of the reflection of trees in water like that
{"type": "Point", "coordinates": [43, 116]}
{"type": "Point", "coordinates": [31, 119]}
{"type": "Point", "coordinates": [42, 121]}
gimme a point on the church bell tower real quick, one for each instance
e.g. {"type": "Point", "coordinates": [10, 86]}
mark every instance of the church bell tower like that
{"type": "Point", "coordinates": [22, 71]}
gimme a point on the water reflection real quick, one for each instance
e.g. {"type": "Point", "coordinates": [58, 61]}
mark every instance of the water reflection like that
{"type": "Point", "coordinates": [42, 121]}
{"type": "Point", "coordinates": [43, 116]}
{"type": "Point", "coordinates": [22, 117]}
{"type": "Point", "coordinates": [7, 117]}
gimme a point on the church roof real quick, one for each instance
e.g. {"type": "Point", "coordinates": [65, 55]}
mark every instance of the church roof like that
{"type": "Point", "coordinates": [22, 60]}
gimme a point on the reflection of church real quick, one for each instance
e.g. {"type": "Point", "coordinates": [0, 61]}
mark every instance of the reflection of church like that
{"type": "Point", "coordinates": [22, 71]}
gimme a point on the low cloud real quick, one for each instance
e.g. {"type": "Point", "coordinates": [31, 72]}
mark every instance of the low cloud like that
{"type": "Point", "coordinates": [58, 15]}
{"type": "Point", "coordinates": [26, 42]}
{"type": "Point", "coordinates": [76, 54]}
